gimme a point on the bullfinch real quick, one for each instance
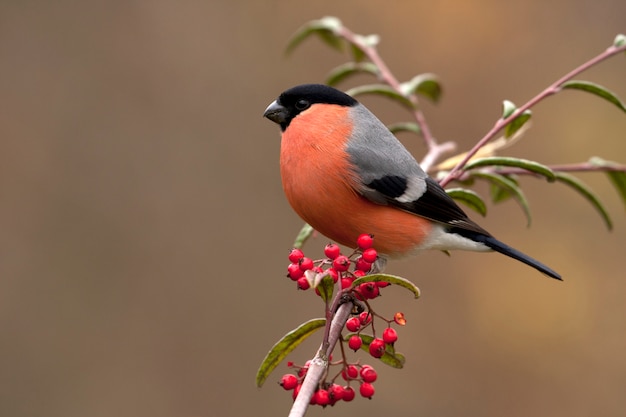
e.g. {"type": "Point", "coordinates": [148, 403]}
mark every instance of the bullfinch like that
{"type": "Point", "coordinates": [346, 174]}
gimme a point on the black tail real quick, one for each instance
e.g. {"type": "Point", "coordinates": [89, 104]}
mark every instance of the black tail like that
{"type": "Point", "coordinates": [505, 249]}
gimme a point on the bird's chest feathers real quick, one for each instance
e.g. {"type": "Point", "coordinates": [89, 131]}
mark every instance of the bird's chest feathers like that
{"type": "Point", "coordinates": [315, 167]}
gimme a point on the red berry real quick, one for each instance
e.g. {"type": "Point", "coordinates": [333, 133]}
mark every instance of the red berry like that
{"type": "Point", "coordinates": [333, 274]}
{"type": "Point", "coordinates": [336, 393]}
{"type": "Point", "coordinates": [296, 391]}
{"type": "Point", "coordinates": [370, 255]}
{"type": "Point", "coordinates": [369, 290]}
{"type": "Point", "coordinates": [355, 342]}
{"type": "Point", "coordinates": [303, 283]}
{"type": "Point", "coordinates": [350, 372]}
{"type": "Point", "coordinates": [358, 274]}
{"type": "Point", "coordinates": [365, 318]}
{"type": "Point", "coordinates": [377, 348]}
{"type": "Point", "coordinates": [322, 397]}
{"type": "Point", "coordinates": [348, 394]}
{"type": "Point", "coordinates": [368, 374]}
{"type": "Point", "coordinates": [294, 272]}
{"type": "Point", "coordinates": [289, 381]}
{"type": "Point", "coordinates": [353, 324]}
{"type": "Point", "coordinates": [362, 265]}
{"type": "Point", "coordinates": [366, 390]}
{"type": "Point", "coordinates": [295, 255]}
{"type": "Point", "coordinates": [390, 335]}
{"type": "Point", "coordinates": [341, 263]}
{"type": "Point", "coordinates": [306, 264]}
{"type": "Point", "coordinates": [382, 284]}
{"type": "Point", "coordinates": [346, 283]}
{"type": "Point", "coordinates": [365, 241]}
{"type": "Point", "coordinates": [332, 250]}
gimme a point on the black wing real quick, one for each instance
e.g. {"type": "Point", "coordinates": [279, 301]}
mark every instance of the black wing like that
{"type": "Point", "coordinates": [434, 204]}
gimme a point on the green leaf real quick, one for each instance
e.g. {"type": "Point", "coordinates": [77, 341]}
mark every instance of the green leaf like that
{"type": "Point", "coordinates": [342, 72]}
{"type": "Point", "coordinates": [404, 127]}
{"type": "Point", "coordinates": [510, 186]}
{"type": "Point", "coordinates": [469, 198]}
{"type": "Point", "coordinates": [427, 85]}
{"type": "Point", "coordinates": [515, 124]}
{"type": "Point", "coordinates": [358, 55]}
{"type": "Point", "coordinates": [620, 40]}
{"type": "Point", "coordinates": [586, 192]}
{"type": "Point", "coordinates": [304, 234]}
{"type": "Point", "coordinates": [596, 89]}
{"type": "Point", "coordinates": [362, 42]}
{"type": "Point", "coordinates": [499, 194]}
{"type": "Point", "coordinates": [392, 279]}
{"type": "Point", "coordinates": [383, 90]}
{"type": "Point", "coordinates": [326, 28]}
{"type": "Point", "coordinates": [617, 178]}
{"type": "Point", "coordinates": [508, 161]}
{"type": "Point", "coordinates": [390, 357]}
{"type": "Point", "coordinates": [508, 108]}
{"type": "Point", "coordinates": [284, 346]}
{"type": "Point", "coordinates": [323, 282]}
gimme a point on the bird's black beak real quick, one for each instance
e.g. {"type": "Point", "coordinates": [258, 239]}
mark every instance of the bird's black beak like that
{"type": "Point", "coordinates": [277, 113]}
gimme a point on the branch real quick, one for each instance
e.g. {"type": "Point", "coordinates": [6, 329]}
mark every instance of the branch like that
{"type": "Point", "coordinates": [578, 167]}
{"type": "Point", "coordinates": [551, 90]}
{"type": "Point", "coordinates": [319, 364]}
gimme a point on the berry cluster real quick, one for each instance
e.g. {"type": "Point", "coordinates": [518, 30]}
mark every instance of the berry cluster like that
{"type": "Point", "coordinates": [339, 267]}
{"type": "Point", "coordinates": [330, 393]}
{"type": "Point", "coordinates": [345, 270]}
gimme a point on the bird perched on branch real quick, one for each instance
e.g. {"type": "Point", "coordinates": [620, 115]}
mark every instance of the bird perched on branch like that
{"type": "Point", "coordinates": [346, 174]}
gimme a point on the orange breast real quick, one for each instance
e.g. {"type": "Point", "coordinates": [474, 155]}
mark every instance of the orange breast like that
{"type": "Point", "coordinates": [319, 182]}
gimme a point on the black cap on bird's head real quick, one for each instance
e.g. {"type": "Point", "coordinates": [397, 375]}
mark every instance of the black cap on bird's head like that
{"type": "Point", "coordinates": [297, 99]}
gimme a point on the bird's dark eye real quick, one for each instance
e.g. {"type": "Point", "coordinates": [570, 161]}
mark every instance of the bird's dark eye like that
{"type": "Point", "coordinates": [302, 104]}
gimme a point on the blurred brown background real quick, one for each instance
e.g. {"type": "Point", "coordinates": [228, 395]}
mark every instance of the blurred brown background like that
{"type": "Point", "coordinates": [144, 230]}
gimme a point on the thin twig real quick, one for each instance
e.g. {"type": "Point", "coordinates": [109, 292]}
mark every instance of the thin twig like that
{"type": "Point", "coordinates": [552, 89]}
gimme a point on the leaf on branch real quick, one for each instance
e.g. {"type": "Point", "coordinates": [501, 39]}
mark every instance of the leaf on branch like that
{"type": "Point", "coordinates": [390, 357]}
{"type": "Point", "coordinates": [617, 178]}
{"type": "Point", "coordinates": [469, 198]}
{"type": "Point", "coordinates": [323, 282]}
{"type": "Point", "coordinates": [596, 89]}
{"type": "Point", "coordinates": [326, 28]}
{"type": "Point", "coordinates": [516, 123]}
{"type": "Point", "coordinates": [342, 72]}
{"type": "Point", "coordinates": [284, 346]}
{"type": "Point", "coordinates": [363, 42]}
{"type": "Point", "coordinates": [383, 90]}
{"type": "Point", "coordinates": [489, 149]}
{"type": "Point", "coordinates": [508, 185]}
{"type": "Point", "coordinates": [620, 40]}
{"type": "Point", "coordinates": [392, 279]}
{"type": "Point", "coordinates": [499, 194]}
{"type": "Point", "coordinates": [586, 192]}
{"type": "Point", "coordinates": [508, 108]}
{"type": "Point", "coordinates": [427, 85]}
{"type": "Point", "coordinates": [304, 234]}
{"type": "Point", "coordinates": [525, 164]}
{"type": "Point", "coordinates": [405, 127]}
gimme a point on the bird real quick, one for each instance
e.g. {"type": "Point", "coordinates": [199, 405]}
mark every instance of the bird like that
{"type": "Point", "coordinates": [345, 174]}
